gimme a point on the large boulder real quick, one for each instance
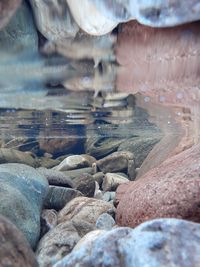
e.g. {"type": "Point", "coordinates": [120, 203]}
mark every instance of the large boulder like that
{"type": "Point", "coordinates": [161, 242]}
{"type": "Point", "coordinates": [170, 190]}
{"type": "Point", "coordinates": [14, 248]}
{"type": "Point", "coordinates": [22, 193]}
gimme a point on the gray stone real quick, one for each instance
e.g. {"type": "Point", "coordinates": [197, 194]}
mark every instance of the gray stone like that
{"type": "Point", "coordinates": [58, 197]}
{"type": "Point", "coordinates": [112, 181]}
{"type": "Point", "coordinates": [115, 162]}
{"type": "Point", "coordinates": [8, 155]}
{"type": "Point", "coordinates": [56, 177]}
{"type": "Point", "coordinates": [73, 162]}
{"type": "Point", "coordinates": [85, 183]}
{"type": "Point", "coordinates": [7, 9]}
{"type": "Point", "coordinates": [60, 241]}
{"type": "Point", "coordinates": [140, 147]}
{"type": "Point", "coordinates": [105, 222]}
{"type": "Point", "coordinates": [160, 242]}
{"type": "Point", "coordinates": [75, 173]}
{"type": "Point", "coordinates": [22, 192]}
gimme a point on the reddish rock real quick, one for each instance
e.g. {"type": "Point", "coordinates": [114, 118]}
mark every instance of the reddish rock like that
{"type": "Point", "coordinates": [162, 65]}
{"type": "Point", "coordinates": [15, 250]}
{"type": "Point", "coordinates": [170, 190]}
{"type": "Point", "coordinates": [7, 9]}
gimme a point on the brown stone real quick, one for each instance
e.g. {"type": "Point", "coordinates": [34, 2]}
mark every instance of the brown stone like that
{"type": "Point", "coordinates": [7, 10]}
{"type": "Point", "coordinates": [15, 250]}
{"type": "Point", "coordinates": [84, 209]}
{"type": "Point", "coordinates": [115, 162]}
{"type": "Point", "coordinates": [170, 190]}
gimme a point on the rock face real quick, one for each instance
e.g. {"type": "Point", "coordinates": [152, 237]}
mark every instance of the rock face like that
{"type": "Point", "coordinates": [156, 243]}
{"type": "Point", "coordinates": [14, 248]}
{"type": "Point", "coordinates": [170, 190]}
{"type": "Point", "coordinates": [7, 9]}
{"type": "Point", "coordinates": [22, 192]}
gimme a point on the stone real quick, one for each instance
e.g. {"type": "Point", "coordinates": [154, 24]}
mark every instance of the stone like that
{"type": "Point", "coordinates": [88, 239]}
{"type": "Point", "coordinates": [8, 155]}
{"type": "Point", "coordinates": [102, 251]}
{"type": "Point", "coordinates": [160, 242]}
{"type": "Point", "coordinates": [7, 9]}
{"type": "Point", "coordinates": [48, 220]}
{"type": "Point", "coordinates": [54, 20]}
{"type": "Point", "coordinates": [115, 162]}
{"type": "Point", "coordinates": [20, 34]}
{"type": "Point", "coordinates": [171, 190]}
{"type": "Point", "coordinates": [105, 222]}
{"type": "Point", "coordinates": [140, 147]}
{"type": "Point", "coordinates": [98, 177]}
{"type": "Point", "coordinates": [60, 241]}
{"type": "Point", "coordinates": [101, 17]}
{"type": "Point", "coordinates": [84, 209]}
{"type": "Point", "coordinates": [58, 197]}
{"type": "Point", "coordinates": [15, 251]}
{"type": "Point", "coordinates": [47, 162]}
{"type": "Point", "coordinates": [61, 145]}
{"type": "Point", "coordinates": [56, 177]}
{"type": "Point", "coordinates": [112, 181]}
{"type": "Point", "coordinates": [85, 183]}
{"type": "Point", "coordinates": [22, 193]}
{"type": "Point", "coordinates": [78, 172]}
{"type": "Point", "coordinates": [73, 162]}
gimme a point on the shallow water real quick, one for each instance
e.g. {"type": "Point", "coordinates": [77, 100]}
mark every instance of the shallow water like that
{"type": "Point", "coordinates": [50, 99]}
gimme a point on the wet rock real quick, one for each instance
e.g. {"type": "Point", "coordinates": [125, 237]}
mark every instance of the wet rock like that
{"type": "Point", "coordinates": [58, 196]}
{"type": "Point", "coordinates": [107, 196]}
{"type": "Point", "coordinates": [78, 172]}
{"type": "Point", "coordinates": [84, 209]}
{"type": "Point", "coordinates": [20, 33]}
{"type": "Point", "coordinates": [112, 181]}
{"type": "Point", "coordinates": [160, 242]}
{"type": "Point", "coordinates": [56, 177]}
{"type": "Point", "coordinates": [88, 239]}
{"type": "Point", "coordinates": [60, 241]}
{"type": "Point", "coordinates": [14, 249]}
{"type": "Point", "coordinates": [171, 190]}
{"type": "Point", "coordinates": [85, 184]}
{"type": "Point", "coordinates": [140, 147]}
{"type": "Point", "coordinates": [97, 145]}
{"type": "Point", "coordinates": [105, 222]}
{"type": "Point", "coordinates": [58, 146]}
{"type": "Point", "coordinates": [73, 162]}
{"type": "Point", "coordinates": [22, 193]}
{"type": "Point", "coordinates": [8, 155]}
{"type": "Point", "coordinates": [47, 162]}
{"type": "Point", "coordinates": [101, 17]}
{"type": "Point", "coordinates": [98, 177]}
{"type": "Point", "coordinates": [7, 10]}
{"type": "Point", "coordinates": [48, 220]}
{"type": "Point", "coordinates": [115, 162]}
{"type": "Point", "coordinates": [54, 20]}
{"type": "Point", "coordinates": [102, 251]}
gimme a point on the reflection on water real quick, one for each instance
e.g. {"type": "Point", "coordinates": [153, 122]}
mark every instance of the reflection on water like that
{"type": "Point", "coordinates": [59, 102]}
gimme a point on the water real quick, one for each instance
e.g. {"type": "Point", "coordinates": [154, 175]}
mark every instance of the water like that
{"type": "Point", "coordinates": [143, 85]}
